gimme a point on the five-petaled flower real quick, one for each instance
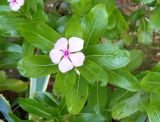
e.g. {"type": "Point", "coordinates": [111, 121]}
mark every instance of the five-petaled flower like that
{"type": "Point", "coordinates": [15, 5]}
{"type": "Point", "coordinates": [66, 53]}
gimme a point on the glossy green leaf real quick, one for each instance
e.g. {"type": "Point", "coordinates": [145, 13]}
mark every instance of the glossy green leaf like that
{"type": "Point", "coordinates": [137, 117]}
{"type": "Point", "coordinates": [88, 72]}
{"type": "Point", "coordinates": [124, 79]}
{"type": "Point", "coordinates": [136, 59]}
{"type": "Point", "coordinates": [10, 54]}
{"type": "Point", "coordinates": [110, 6]}
{"type": "Point", "coordinates": [89, 117]}
{"type": "Point", "coordinates": [155, 100]}
{"type": "Point", "coordinates": [64, 82]}
{"type": "Point", "coordinates": [85, 6]}
{"type": "Point", "coordinates": [144, 33]}
{"type": "Point", "coordinates": [77, 96]}
{"type": "Point", "coordinates": [36, 66]}
{"type": "Point", "coordinates": [117, 96]}
{"type": "Point", "coordinates": [155, 16]}
{"type": "Point", "coordinates": [156, 68]}
{"type": "Point", "coordinates": [136, 15]}
{"type": "Point", "coordinates": [153, 113]}
{"type": "Point", "coordinates": [146, 1]}
{"type": "Point", "coordinates": [122, 24]}
{"type": "Point", "coordinates": [108, 56]}
{"type": "Point", "coordinates": [9, 25]}
{"type": "Point", "coordinates": [151, 82]}
{"type": "Point", "coordinates": [46, 98]}
{"type": "Point", "coordinates": [2, 75]}
{"type": "Point", "coordinates": [16, 119]}
{"type": "Point", "coordinates": [27, 49]}
{"type": "Point", "coordinates": [92, 26]}
{"type": "Point", "coordinates": [39, 35]}
{"type": "Point", "coordinates": [73, 29]}
{"type": "Point", "coordinates": [38, 108]}
{"type": "Point", "coordinates": [97, 98]}
{"type": "Point", "coordinates": [12, 85]}
{"type": "Point", "coordinates": [129, 106]}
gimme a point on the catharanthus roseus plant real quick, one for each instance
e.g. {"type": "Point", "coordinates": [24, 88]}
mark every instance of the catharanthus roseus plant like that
{"type": "Point", "coordinates": [80, 60]}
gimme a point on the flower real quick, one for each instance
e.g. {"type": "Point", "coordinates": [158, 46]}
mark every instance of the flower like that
{"type": "Point", "coordinates": [15, 5]}
{"type": "Point", "coordinates": [66, 53]}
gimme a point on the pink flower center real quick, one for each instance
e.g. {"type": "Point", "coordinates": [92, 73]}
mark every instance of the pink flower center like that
{"type": "Point", "coordinates": [14, 1]}
{"type": "Point", "coordinates": [66, 53]}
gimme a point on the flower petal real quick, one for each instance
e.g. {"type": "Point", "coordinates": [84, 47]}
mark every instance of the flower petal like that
{"type": "Point", "coordinates": [20, 2]}
{"type": "Point", "coordinates": [75, 44]}
{"type": "Point", "coordinates": [55, 55]}
{"type": "Point", "coordinates": [61, 44]}
{"type": "Point", "coordinates": [14, 6]}
{"type": "Point", "coordinates": [77, 59]}
{"type": "Point", "coordinates": [65, 65]}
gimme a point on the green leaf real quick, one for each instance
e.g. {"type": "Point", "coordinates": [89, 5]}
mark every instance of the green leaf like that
{"type": "Point", "coordinates": [2, 75]}
{"type": "Point", "coordinates": [153, 113]}
{"type": "Point", "coordinates": [156, 68]}
{"type": "Point", "coordinates": [89, 117]}
{"type": "Point", "coordinates": [73, 29]}
{"type": "Point", "coordinates": [136, 59]}
{"type": "Point", "coordinates": [137, 117]}
{"type": "Point", "coordinates": [129, 106]}
{"type": "Point", "coordinates": [27, 49]}
{"type": "Point", "coordinates": [38, 108]}
{"type": "Point", "coordinates": [155, 16]}
{"type": "Point", "coordinates": [117, 96]}
{"type": "Point", "coordinates": [80, 7]}
{"type": "Point", "coordinates": [124, 79]}
{"type": "Point", "coordinates": [12, 85]}
{"type": "Point", "coordinates": [108, 56]}
{"type": "Point", "coordinates": [16, 119]}
{"type": "Point", "coordinates": [39, 35]}
{"type": "Point", "coordinates": [122, 24]}
{"type": "Point", "coordinates": [155, 100]}
{"type": "Point", "coordinates": [10, 54]}
{"type": "Point", "coordinates": [88, 72]}
{"type": "Point", "coordinates": [110, 6]}
{"type": "Point", "coordinates": [64, 82]}
{"type": "Point", "coordinates": [36, 66]}
{"type": "Point", "coordinates": [46, 98]}
{"type": "Point", "coordinates": [9, 25]}
{"type": "Point", "coordinates": [5, 108]}
{"type": "Point", "coordinates": [144, 33]}
{"type": "Point", "coordinates": [151, 82]}
{"type": "Point", "coordinates": [92, 26]}
{"type": "Point", "coordinates": [77, 96]}
{"type": "Point", "coordinates": [97, 98]}
{"type": "Point", "coordinates": [111, 22]}
{"type": "Point", "coordinates": [136, 15]}
{"type": "Point", "coordinates": [146, 1]}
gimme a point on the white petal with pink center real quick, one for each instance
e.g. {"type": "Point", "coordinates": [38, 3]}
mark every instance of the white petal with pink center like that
{"type": "Point", "coordinates": [75, 44]}
{"type": "Point", "coordinates": [61, 44]}
{"type": "Point", "coordinates": [56, 55]}
{"type": "Point", "coordinates": [77, 59]}
{"type": "Point", "coordinates": [67, 53]}
{"type": "Point", "coordinates": [15, 5]}
{"type": "Point", "coordinates": [65, 65]}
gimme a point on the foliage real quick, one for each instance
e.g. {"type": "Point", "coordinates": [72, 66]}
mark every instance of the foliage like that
{"type": "Point", "coordinates": [107, 86]}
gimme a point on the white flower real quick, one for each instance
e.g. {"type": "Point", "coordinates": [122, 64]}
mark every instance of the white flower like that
{"type": "Point", "coordinates": [67, 53]}
{"type": "Point", "coordinates": [15, 5]}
